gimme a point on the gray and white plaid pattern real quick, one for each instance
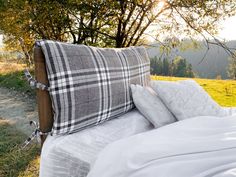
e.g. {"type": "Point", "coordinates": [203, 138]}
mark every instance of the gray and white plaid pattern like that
{"type": "Point", "coordinates": [90, 85]}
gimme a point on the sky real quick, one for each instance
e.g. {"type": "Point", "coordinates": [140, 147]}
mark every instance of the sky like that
{"type": "Point", "coordinates": [229, 29]}
{"type": "Point", "coordinates": [227, 32]}
{"type": "Point", "coordinates": [0, 40]}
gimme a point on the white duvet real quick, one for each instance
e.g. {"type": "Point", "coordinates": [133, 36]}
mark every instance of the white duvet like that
{"type": "Point", "coordinates": [197, 147]}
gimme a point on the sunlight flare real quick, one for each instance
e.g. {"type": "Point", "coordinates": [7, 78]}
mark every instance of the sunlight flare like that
{"type": "Point", "coordinates": [161, 4]}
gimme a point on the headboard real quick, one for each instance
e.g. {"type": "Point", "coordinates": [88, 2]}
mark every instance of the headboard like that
{"type": "Point", "coordinates": [74, 106]}
{"type": "Point", "coordinates": [45, 110]}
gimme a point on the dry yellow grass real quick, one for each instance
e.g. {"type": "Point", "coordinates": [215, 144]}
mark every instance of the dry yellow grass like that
{"type": "Point", "coordinates": [6, 68]}
{"type": "Point", "coordinates": [32, 170]}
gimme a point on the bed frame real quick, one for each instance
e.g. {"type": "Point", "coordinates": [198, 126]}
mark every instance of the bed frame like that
{"type": "Point", "coordinates": [45, 111]}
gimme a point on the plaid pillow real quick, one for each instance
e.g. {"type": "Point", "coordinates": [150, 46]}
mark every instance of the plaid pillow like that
{"type": "Point", "coordinates": [90, 85]}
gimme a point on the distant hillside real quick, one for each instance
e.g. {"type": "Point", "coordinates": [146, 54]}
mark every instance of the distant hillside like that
{"type": "Point", "coordinates": [214, 64]}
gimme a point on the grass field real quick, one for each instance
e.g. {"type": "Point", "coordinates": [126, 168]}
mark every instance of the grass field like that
{"type": "Point", "coordinates": [222, 91]}
{"type": "Point", "coordinates": [12, 77]}
{"type": "Point", "coordinates": [15, 162]}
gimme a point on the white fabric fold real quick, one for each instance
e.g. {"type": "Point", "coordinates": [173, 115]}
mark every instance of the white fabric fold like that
{"type": "Point", "coordinates": [71, 155]}
{"type": "Point", "coordinates": [198, 147]}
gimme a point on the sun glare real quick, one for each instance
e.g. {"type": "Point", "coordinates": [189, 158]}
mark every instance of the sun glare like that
{"type": "Point", "coordinates": [161, 4]}
{"type": "Point", "coordinates": [228, 28]}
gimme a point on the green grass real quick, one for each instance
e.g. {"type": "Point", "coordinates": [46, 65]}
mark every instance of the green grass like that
{"type": "Point", "coordinates": [12, 77]}
{"type": "Point", "coordinates": [222, 91]}
{"type": "Point", "coordinates": [16, 82]}
{"type": "Point", "coordinates": [14, 161]}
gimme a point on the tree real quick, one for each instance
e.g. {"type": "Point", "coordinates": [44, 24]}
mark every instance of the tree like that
{"type": "Point", "coordinates": [181, 68]}
{"type": "Point", "coordinates": [156, 66]}
{"type": "Point", "coordinates": [124, 22]}
{"type": "Point", "coordinates": [15, 36]}
{"type": "Point", "coordinates": [232, 68]}
{"type": "Point", "coordinates": [189, 71]}
{"type": "Point", "coordinates": [153, 65]}
{"type": "Point", "coordinates": [177, 67]}
{"type": "Point", "coordinates": [23, 22]}
{"type": "Point", "coordinates": [113, 23]}
{"type": "Point", "coordinates": [166, 67]}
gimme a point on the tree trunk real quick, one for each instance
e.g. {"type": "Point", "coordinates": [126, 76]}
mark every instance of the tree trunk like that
{"type": "Point", "coordinates": [28, 58]}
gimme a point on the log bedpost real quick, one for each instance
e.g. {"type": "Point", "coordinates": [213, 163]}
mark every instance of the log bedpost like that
{"type": "Point", "coordinates": [45, 111]}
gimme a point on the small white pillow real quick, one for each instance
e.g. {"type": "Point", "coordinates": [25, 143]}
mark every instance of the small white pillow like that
{"type": "Point", "coordinates": [148, 103]}
{"type": "Point", "coordinates": [186, 99]}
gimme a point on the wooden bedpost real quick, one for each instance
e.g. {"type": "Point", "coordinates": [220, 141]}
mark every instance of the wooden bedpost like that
{"type": "Point", "coordinates": [45, 110]}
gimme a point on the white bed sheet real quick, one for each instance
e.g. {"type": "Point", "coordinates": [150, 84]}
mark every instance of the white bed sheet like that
{"type": "Point", "coordinates": [71, 155]}
{"type": "Point", "coordinates": [197, 147]}
{"type": "Point", "coordinates": [230, 110]}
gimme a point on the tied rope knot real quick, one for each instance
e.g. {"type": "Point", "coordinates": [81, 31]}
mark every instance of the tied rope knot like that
{"type": "Point", "coordinates": [35, 134]}
{"type": "Point", "coordinates": [34, 83]}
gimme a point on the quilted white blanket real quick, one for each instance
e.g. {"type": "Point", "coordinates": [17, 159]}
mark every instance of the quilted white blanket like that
{"type": "Point", "coordinates": [197, 147]}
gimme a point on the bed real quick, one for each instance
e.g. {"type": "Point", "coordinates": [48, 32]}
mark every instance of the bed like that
{"type": "Point", "coordinates": [197, 147]}
{"type": "Point", "coordinates": [123, 141]}
{"type": "Point", "coordinates": [72, 155]}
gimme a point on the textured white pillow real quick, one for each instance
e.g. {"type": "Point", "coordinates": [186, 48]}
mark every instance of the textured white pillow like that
{"type": "Point", "coordinates": [186, 99]}
{"type": "Point", "coordinates": [150, 105]}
